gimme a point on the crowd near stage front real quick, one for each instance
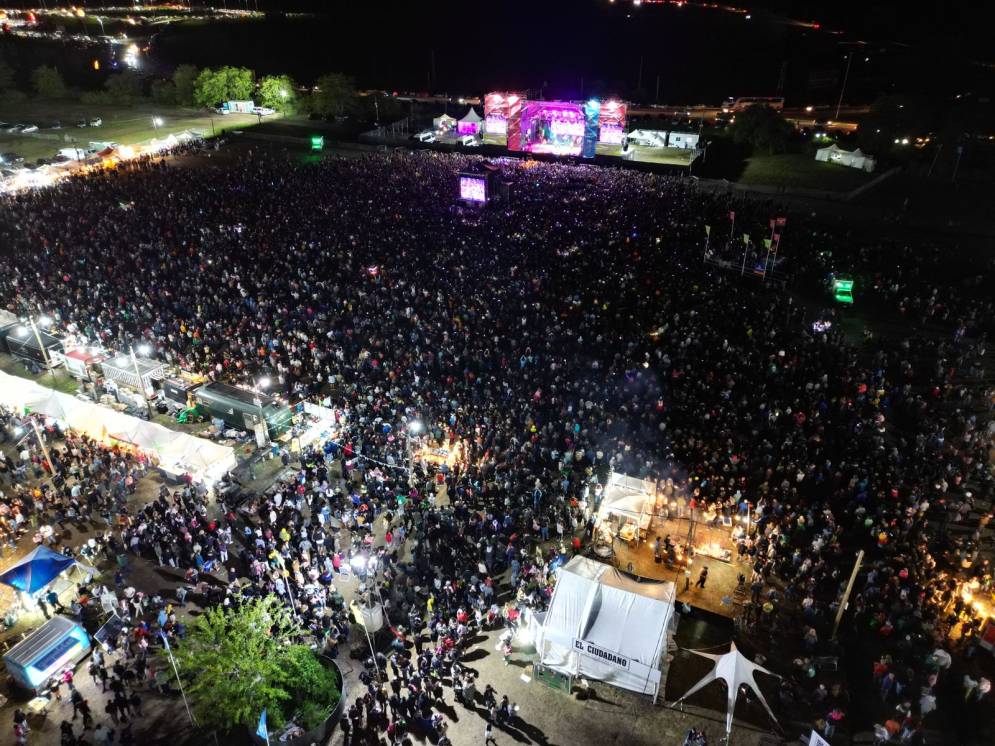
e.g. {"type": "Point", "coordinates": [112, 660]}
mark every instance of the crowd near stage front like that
{"type": "Point", "coordinates": [632, 514]}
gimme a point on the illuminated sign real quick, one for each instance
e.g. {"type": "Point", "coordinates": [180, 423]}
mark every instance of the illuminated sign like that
{"type": "Point", "coordinates": [473, 188]}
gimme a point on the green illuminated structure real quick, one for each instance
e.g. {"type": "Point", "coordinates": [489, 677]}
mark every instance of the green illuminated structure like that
{"type": "Point", "coordinates": [843, 290]}
{"type": "Point", "coordinates": [317, 142]}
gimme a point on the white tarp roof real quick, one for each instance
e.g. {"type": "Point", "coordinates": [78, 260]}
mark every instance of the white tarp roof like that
{"type": "Point", "coordinates": [626, 496]}
{"type": "Point", "coordinates": [201, 458]}
{"type": "Point", "coordinates": [607, 626]}
{"type": "Point", "coordinates": [735, 670]}
{"type": "Point", "coordinates": [471, 116]}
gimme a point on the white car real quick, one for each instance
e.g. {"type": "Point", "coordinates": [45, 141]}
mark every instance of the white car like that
{"type": "Point", "coordinates": [263, 111]}
{"type": "Point", "coordinates": [30, 128]}
{"type": "Point", "coordinates": [425, 136]}
{"type": "Point", "coordinates": [96, 122]}
{"type": "Point", "coordinates": [469, 141]}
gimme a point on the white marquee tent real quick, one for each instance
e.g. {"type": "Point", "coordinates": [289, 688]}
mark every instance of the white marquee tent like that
{"type": "Point", "coordinates": [202, 459]}
{"type": "Point", "coordinates": [854, 159]}
{"type": "Point", "coordinates": [607, 626]}
{"type": "Point", "coordinates": [470, 123]}
{"type": "Point", "coordinates": [444, 122]}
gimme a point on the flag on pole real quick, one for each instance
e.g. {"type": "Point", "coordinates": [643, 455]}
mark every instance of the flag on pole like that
{"type": "Point", "coordinates": [746, 239]}
{"type": "Point", "coordinates": [261, 731]}
{"type": "Point", "coordinates": [767, 243]}
{"type": "Point", "coordinates": [732, 215]}
{"type": "Point", "coordinates": [708, 230]}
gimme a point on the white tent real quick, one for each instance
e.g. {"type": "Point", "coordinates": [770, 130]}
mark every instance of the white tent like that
{"type": "Point", "coordinates": [444, 122]}
{"type": "Point", "coordinates": [736, 671]}
{"type": "Point", "coordinates": [202, 459]}
{"type": "Point", "coordinates": [607, 626]}
{"type": "Point", "coordinates": [469, 124]}
{"type": "Point", "coordinates": [630, 499]}
{"type": "Point", "coordinates": [854, 159]}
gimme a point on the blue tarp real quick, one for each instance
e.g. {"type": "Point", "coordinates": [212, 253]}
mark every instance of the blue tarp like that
{"type": "Point", "coordinates": [36, 570]}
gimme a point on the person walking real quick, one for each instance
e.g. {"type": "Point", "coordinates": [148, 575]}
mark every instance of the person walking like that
{"type": "Point", "coordinates": [702, 578]}
{"type": "Point", "coordinates": [489, 735]}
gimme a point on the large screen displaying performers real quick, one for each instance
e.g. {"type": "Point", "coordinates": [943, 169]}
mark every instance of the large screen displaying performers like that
{"type": "Point", "coordinates": [555, 127]}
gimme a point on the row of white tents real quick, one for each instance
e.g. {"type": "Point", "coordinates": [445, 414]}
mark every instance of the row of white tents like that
{"type": "Point", "coordinates": [180, 452]}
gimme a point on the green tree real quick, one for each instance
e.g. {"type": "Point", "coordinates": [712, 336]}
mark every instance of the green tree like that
{"type": "Point", "coordinates": [278, 92]}
{"type": "Point", "coordinates": [241, 83]}
{"type": "Point", "coordinates": [763, 128]}
{"type": "Point", "coordinates": [224, 84]}
{"type": "Point", "coordinates": [6, 76]}
{"type": "Point", "coordinates": [334, 94]}
{"type": "Point", "coordinates": [163, 92]}
{"type": "Point", "coordinates": [47, 82]}
{"type": "Point", "coordinates": [185, 78]}
{"type": "Point", "coordinates": [124, 87]}
{"type": "Point", "coordinates": [237, 660]}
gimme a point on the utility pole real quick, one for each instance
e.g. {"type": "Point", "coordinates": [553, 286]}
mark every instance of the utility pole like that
{"type": "Point", "coordinates": [41, 345]}
{"type": "Point", "coordinates": [846, 75]}
{"type": "Point", "coordinates": [846, 593]}
{"type": "Point", "coordinates": [41, 442]}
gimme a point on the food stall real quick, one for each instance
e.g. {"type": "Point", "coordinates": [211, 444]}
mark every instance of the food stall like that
{"type": "Point", "coordinates": [58, 644]}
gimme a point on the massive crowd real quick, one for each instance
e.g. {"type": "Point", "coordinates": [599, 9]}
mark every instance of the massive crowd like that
{"type": "Point", "coordinates": [570, 331]}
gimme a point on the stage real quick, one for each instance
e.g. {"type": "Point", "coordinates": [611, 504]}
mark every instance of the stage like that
{"type": "Point", "coordinates": [723, 576]}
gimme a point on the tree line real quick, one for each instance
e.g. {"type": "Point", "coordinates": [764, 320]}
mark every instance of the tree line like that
{"type": "Point", "coordinates": [333, 94]}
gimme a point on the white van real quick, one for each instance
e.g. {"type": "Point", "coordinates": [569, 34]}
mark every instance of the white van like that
{"type": "Point", "coordinates": [426, 136]}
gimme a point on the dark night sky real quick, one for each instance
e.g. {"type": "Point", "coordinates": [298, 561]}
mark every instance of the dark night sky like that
{"type": "Point", "coordinates": [700, 55]}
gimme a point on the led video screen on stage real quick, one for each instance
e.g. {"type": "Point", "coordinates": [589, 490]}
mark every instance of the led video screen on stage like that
{"type": "Point", "coordinates": [555, 127]}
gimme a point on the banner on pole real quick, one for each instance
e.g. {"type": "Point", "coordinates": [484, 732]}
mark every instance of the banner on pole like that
{"type": "Point", "coordinates": [708, 230]}
{"type": "Point", "coordinates": [732, 215]}
{"type": "Point", "coordinates": [746, 239]}
{"type": "Point", "coordinates": [767, 243]}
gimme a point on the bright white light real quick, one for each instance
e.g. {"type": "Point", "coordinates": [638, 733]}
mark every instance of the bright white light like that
{"type": "Point", "coordinates": [157, 121]}
{"type": "Point", "coordinates": [905, 141]}
{"type": "Point", "coordinates": [264, 383]}
{"type": "Point", "coordinates": [808, 108]}
{"type": "Point", "coordinates": [18, 432]}
{"type": "Point", "coordinates": [22, 331]}
{"type": "Point", "coordinates": [121, 362]}
{"type": "Point", "coordinates": [284, 93]}
{"type": "Point", "coordinates": [415, 427]}
{"type": "Point", "coordinates": [44, 321]}
{"type": "Point", "coordinates": [144, 349]}
{"type": "Point", "coordinates": [358, 563]}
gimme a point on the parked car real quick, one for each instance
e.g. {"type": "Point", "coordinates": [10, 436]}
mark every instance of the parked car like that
{"type": "Point", "coordinates": [263, 111]}
{"type": "Point", "coordinates": [30, 128]}
{"type": "Point", "coordinates": [426, 136]}
{"type": "Point", "coordinates": [96, 122]}
{"type": "Point", "coordinates": [15, 128]}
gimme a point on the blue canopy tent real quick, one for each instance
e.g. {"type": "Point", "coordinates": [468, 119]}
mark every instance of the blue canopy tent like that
{"type": "Point", "coordinates": [37, 570]}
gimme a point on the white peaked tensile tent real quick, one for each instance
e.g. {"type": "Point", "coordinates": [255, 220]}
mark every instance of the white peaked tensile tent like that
{"type": "Point", "coordinates": [853, 159]}
{"type": "Point", "coordinates": [735, 670]}
{"type": "Point", "coordinates": [607, 626]}
{"type": "Point", "coordinates": [469, 124]}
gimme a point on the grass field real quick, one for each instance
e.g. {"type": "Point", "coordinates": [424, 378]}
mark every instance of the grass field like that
{"type": "Point", "coordinates": [126, 125]}
{"type": "Point", "coordinates": [666, 156]}
{"type": "Point", "coordinates": [797, 170]}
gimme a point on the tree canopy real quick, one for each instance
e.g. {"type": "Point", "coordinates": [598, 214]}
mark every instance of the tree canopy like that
{"type": "Point", "coordinates": [278, 92]}
{"type": "Point", "coordinates": [211, 87]}
{"type": "Point", "coordinates": [185, 78]}
{"type": "Point", "coordinates": [237, 660]}
{"type": "Point", "coordinates": [334, 94]}
{"type": "Point", "coordinates": [47, 82]}
{"type": "Point", "coordinates": [762, 128]}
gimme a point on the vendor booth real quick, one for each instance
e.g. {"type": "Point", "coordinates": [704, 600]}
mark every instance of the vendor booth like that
{"type": "Point", "coordinates": [604, 625]}
{"type": "Point", "coordinates": [24, 344]}
{"type": "Point", "coordinates": [56, 645]}
{"type": "Point", "coordinates": [203, 460]}
{"type": "Point", "coordinates": [125, 370]}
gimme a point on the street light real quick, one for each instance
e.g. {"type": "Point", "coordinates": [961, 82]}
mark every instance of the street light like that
{"type": "Point", "coordinates": [261, 384]}
{"type": "Point", "coordinates": [157, 122]}
{"type": "Point", "coordinates": [44, 321]}
{"type": "Point", "coordinates": [415, 427]}
{"type": "Point", "coordinates": [145, 350]}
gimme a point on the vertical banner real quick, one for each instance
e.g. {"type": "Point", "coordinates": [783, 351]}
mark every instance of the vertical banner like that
{"type": "Point", "coordinates": [592, 113]}
{"type": "Point", "coordinates": [514, 123]}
